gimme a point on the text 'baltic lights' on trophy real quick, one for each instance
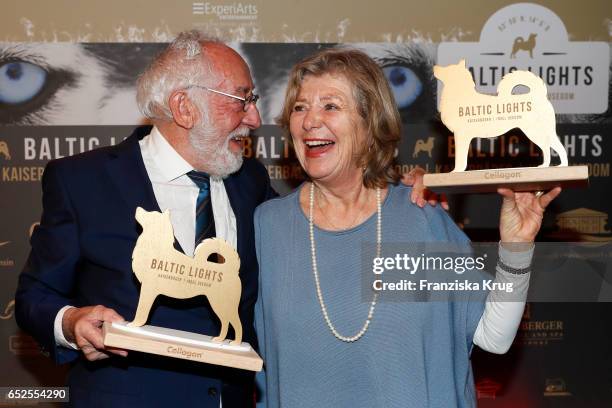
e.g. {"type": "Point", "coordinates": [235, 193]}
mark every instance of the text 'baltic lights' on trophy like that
{"type": "Point", "coordinates": [470, 114]}
{"type": "Point", "coordinates": [162, 270]}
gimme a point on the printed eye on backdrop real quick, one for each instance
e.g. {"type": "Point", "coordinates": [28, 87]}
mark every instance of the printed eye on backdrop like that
{"type": "Point", "coordinates": [71, 83]}
{"type": "Point", "coordinates": [27, 90]}
{"type": "Point", "coordinates": [405, 84]}
{"type": "Point", "coordinates": [409, 71]}
{"type": "Point", "coordinates": [20, 82]}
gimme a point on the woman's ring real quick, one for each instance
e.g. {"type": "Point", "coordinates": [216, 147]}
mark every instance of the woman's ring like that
{"type": "Point", "coordinates": [539, 193]}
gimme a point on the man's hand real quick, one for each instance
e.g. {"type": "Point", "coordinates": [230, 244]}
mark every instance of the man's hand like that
{"type": "Point", "coordinates": [83, 326]}
{"type": "Point", "coordinates": [420, 194]}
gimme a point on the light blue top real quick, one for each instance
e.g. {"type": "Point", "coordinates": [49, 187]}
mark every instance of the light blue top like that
{"type": "Point", "coordinates": [414, 354]}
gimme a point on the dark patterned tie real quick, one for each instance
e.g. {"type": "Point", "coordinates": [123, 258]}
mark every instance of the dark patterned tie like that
{"type": "Point", "coordinates": [205, 222]}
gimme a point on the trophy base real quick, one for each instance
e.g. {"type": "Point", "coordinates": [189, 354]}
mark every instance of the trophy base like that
{"type": "Point", "coordinates": [181, 344]}
{"type": "Point", "coordinates": [517, 179]}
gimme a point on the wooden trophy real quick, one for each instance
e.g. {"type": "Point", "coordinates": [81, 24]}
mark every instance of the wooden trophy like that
{"type": "Point", "coordinates": [162, 270]}
{"type": "Point", "coordinates": [469, 114]}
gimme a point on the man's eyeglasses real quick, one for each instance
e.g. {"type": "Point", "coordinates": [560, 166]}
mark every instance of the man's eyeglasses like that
{"type": "Point", "coordinates": [250, 98]}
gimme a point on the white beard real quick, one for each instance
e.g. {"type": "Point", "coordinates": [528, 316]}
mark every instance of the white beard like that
{"type": "Point", "coordinates": [220, 160]}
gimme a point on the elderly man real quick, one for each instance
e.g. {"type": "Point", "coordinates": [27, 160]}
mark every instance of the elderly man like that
{"type": "Point", "coordinates": [199, 95]}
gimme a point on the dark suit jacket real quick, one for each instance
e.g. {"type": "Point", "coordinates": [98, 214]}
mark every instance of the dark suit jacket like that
{"type": "Point", "coordinates": [81, 255]}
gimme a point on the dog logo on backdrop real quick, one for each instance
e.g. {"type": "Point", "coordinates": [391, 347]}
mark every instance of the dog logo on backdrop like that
{"type": "Point", "coordinates": [423, 146]}
{"type": "Point", "coordinates": [162, 270]}
{"type": "Point", "coordinates": [8, 310]}
{"type": "Point", "coordinates": [470, 114]}
{"type": "Point", "coordinates": [524, 45]}
{"type": "Point", "coordinates": [4, 150]}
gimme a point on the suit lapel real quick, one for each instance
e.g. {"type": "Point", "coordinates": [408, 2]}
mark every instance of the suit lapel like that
{"type": "Point", "coordinates": [127, 171]}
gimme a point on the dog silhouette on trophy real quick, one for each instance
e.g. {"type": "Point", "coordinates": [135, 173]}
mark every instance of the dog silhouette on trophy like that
{"type": "Point", "coordinates": [462, 109]}
{"type": "Point", "coordinates": [162, 270]}
{"type": "Point", "coordinates": [220, 282]}
{"type": "Point", "coordinates": [521, 103]}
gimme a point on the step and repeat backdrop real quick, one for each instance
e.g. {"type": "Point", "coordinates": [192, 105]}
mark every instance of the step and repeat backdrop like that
{"type": "Point", "coordinates": [67, 77]}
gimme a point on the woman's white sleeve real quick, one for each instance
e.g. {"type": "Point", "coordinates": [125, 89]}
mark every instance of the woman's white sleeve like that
{"type": "Point", "coordinates": [503, 310]}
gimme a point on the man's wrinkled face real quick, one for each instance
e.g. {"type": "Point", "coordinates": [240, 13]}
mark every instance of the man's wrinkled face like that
{"type": "Point", "coordinates": [224, 123]}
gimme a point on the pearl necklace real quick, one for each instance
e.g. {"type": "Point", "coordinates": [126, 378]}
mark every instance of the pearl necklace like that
{"type": "Point", "coordinates": [315, 270]}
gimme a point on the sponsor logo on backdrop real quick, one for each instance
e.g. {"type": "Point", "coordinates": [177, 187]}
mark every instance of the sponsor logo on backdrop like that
{"type": "Point", "coordinates": [7, 171]}
{"type": "Point", "coordinates": [5, 153]}
{"type": "Point", "coordinates": [487, 388]}
{"type": "Point", "coordinates": [235, 11]}
{"type": "Point", "coordinates": [6, 262]}
{"type": "Point", "coordinates": [528, 36]}
{"type": "Point", "coordinates": [49, 148]}
{"type": "Point", "coordinates": [267, 147]}
{"type": "Point", "coordinates": [285, 171]}
{"type": "Point", "coordinates": [583, 224]}
{"type": "Point", "coordinates": [580, 149]}
{"type": "Point", "coordinates": [23, 345]}
{"type": "Point", "coordinates": [276, 155]}
{"type": "Point", "coordinates": [423, 145]}
{"type": "Point", "coordinates": [538, 332]}
{"type": "Point", "coordinates": [583, 147]}
{"type": "Point", "coordinates": [9, 310]}
{"type": "Point", "coordinates": [14, 174]}
{"type": "Point", "coordinates": [556, 387]}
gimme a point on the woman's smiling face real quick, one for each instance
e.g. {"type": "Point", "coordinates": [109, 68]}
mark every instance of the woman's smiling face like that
{"type": "Point", "coordinates": [328, 132]}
